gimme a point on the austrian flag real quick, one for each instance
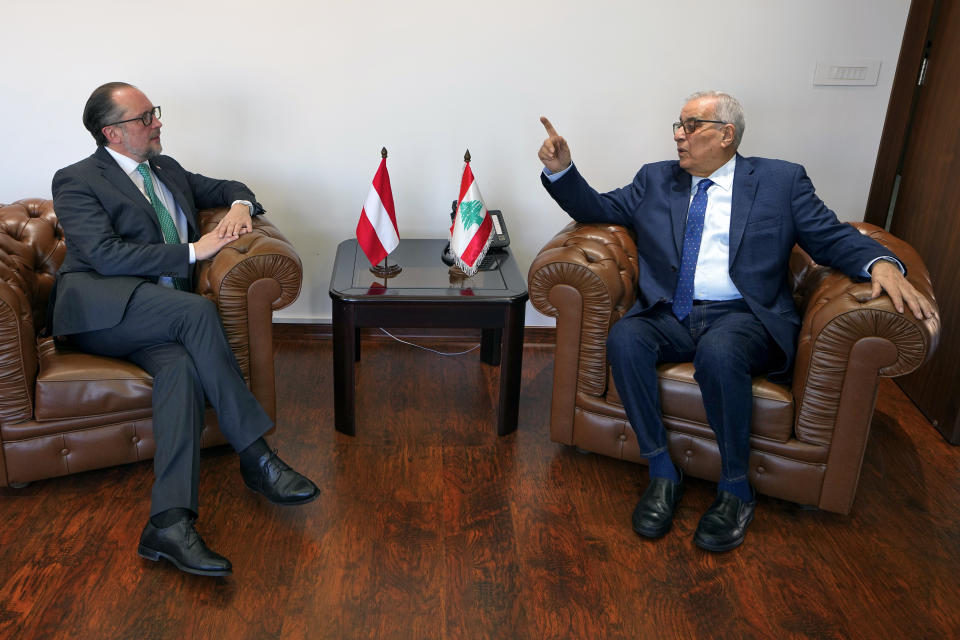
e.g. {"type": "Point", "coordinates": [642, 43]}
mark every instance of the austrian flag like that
{"type": "Point", "coordinates": [377, 230]}
{"type": "Point", "coordinates": [472, 229]}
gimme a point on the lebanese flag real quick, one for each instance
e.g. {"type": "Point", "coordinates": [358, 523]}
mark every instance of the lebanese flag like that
{"type": "Point", "coordinates": [377, 230]}
{"type": "Point", "coordinates": [472, 229]}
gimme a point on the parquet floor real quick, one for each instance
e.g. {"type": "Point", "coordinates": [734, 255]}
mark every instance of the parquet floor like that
{"type": "Point", "coordinates": [430, 526]}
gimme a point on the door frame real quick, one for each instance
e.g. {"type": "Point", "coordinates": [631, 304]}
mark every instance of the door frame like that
{"type": "Point", "coordinates": [900, 108]}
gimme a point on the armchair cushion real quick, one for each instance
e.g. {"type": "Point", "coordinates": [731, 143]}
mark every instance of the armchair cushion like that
{"type": "Point", "coordinates": [680, 393]}
{"type": "Point", "coordinates": [72, 384]}
{"type": "Point", "coordinates": [680, 399]}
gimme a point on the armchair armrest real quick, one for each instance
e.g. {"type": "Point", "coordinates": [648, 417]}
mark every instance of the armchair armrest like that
{"type": "Point", "coordinates": [846, 342]}
{"type": "Point", "coordinates": [845, 334]}
{"type": "Point", "coordinates": [586, 278]}
{"type": "Point", "coordinates": [248, 279]}
{"type": "Point", "coordinates": [31, 249]}
{"type": "Point", "coordinates": [18, 354]}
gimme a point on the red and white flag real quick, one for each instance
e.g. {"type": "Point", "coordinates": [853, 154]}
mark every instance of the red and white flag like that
{"type": "Point", "coordinates": [377, 230]}
{"type": "Point", "coordinates": [472, 229]}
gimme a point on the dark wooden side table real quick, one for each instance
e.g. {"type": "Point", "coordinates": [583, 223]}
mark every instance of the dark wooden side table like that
{"type": "Point", "coordinates": [426, 295]}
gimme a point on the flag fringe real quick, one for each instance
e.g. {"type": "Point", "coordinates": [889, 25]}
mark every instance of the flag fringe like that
{"type": "Point", "coordinates": [470, 271]}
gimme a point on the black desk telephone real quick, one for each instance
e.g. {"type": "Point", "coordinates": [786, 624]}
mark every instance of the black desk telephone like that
{"type": "Point", "coordinates": [501, 240]}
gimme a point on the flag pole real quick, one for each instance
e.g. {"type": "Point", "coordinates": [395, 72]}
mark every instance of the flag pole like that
{"type": "Point", "coordinates": [385, 270]}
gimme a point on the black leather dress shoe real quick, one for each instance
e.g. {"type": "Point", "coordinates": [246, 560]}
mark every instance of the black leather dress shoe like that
{"type": "Point", "coordinates": [653, 514]}
{"type": "Point", "coordinates": [182, 545]}
{"type": "Point", "coordinates": [280, 484]}
{"type": "Point", "coordinates": [724, 525]}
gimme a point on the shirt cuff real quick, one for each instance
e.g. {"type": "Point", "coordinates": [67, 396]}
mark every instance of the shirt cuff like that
{"type": "Point", "coordinates": [553, 177]}
{"type": "Point", "coordinates": [246, 202]}
{"type": "Point", "coordinates": [866, 270]}
{"type": "Point", "coordinates": [193, 253]}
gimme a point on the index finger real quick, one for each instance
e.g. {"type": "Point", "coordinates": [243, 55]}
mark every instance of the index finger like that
{"type": "Point", "coordinates": [549, 127]}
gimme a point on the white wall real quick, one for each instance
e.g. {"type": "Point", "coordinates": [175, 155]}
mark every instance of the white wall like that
{"type": "Point", "coordinates": [296, 98]}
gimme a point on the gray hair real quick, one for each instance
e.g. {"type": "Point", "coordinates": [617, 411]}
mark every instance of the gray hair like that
{"type": "Point", "coordinates": [727, 109]}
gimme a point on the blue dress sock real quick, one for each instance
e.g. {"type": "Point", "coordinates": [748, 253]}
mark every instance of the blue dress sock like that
{"type": "Point", "coordinates": [740, 488]}
{"type": "Point", "coordinates": [661, 466]}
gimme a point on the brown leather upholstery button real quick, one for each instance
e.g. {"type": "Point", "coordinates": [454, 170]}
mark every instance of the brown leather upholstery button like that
{"type": "Point", "coordinates": [688, 452]}
{"type": "Point", "coordinates": [135, 439]}
{"type": "Point", "coordinates": [760, 469]}
{"type": "Point", "coordinates": [64, 451]}
{"type": "Point", "coordinates": [623, 437]}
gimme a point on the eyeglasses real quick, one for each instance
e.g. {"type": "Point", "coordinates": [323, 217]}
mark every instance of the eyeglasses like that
{"type": "Point", "coordinates": [146, 118]}
{"type": "Point", "coordinates": [691, 125]}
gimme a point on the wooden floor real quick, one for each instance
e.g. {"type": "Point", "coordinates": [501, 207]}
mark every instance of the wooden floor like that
{"type": "Point", "coordinates": [430, 526]}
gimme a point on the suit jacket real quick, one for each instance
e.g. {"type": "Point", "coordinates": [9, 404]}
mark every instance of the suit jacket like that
{"type": "Point", "coordinates": [114, 241]}
{"type": "Point", "coordinates": [774, 206]}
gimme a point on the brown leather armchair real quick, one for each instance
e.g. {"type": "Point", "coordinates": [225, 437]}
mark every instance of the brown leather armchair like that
{"type": "Point", "coordinates": [808, 439]}
{"type": "Point", "coordinates": [62, 411]}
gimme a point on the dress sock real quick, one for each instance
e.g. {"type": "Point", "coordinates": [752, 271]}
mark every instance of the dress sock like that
{"type": "Point", "coordinates": [740, 488]}
{"type": "Point", "coordinates": [661, 466]}
{"type": "Point", "coordinates": [170, 517]}
{"type": "Point", "coordinates": [250, 455]}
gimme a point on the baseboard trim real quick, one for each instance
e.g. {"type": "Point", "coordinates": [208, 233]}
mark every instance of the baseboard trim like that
{"type": "Point", "coordinates": [288, 331]}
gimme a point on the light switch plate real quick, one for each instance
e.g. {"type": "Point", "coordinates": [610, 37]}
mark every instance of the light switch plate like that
{"type": "Point", "coordinates": [847, 72]}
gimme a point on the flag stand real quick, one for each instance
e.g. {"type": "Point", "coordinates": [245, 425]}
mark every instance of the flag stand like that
{"type": "Point", "coordinates": [386, 270]}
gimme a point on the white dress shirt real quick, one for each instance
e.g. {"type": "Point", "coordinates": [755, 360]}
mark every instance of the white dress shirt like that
{"type": "Point", "coordinates": [712, 279]}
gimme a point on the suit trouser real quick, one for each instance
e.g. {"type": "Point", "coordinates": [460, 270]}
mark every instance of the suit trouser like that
{"type": "Point", "coordinates": [727, 345]}
{"type": "Point", "coordinates": [177, 338]}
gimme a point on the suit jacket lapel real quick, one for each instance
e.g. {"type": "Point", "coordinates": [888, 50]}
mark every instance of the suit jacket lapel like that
{"type": "Point", "coordinates": [744, 192]}
{"type": "Point", "coordinates": [112, 172]}
{"type": "Point", "coordinates": [679, 204]}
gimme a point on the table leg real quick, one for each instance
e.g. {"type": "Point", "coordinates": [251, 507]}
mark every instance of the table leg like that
{"type": "Point", "coordinates": [490, 340]}
{"type": "Point", "coordinates": [511, 364]}
{"type": "Point", "coordinates": [345, 343]}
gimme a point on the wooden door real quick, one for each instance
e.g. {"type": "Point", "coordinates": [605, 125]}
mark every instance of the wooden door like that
{"type": "Point", "coordinates": [926, 210]}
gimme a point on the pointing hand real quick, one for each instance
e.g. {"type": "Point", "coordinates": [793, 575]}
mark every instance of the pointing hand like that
{"type": "Point", "coordinates": [554, 152]}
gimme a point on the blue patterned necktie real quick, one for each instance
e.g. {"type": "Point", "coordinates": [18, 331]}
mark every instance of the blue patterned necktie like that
{"type": "Point", "coordinates": [683, 296]}
{"type": "Point", "coordinates": [169, 229]}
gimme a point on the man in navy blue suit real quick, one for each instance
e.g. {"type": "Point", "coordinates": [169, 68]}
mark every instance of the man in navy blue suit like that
{"type": "Point", "coordinates": [714, 235]}
{"type": "Point", "coordinates": [129, 215]}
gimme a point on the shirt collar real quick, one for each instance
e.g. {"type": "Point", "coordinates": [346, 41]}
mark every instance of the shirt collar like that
{"type": "Point", "coordinates": [129, 165]}
{"type": "Point", "coordinates": [722, 177]}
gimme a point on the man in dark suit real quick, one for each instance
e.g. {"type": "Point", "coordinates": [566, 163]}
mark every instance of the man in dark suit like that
{"type": "Point", "coordinates": [714, 235]}
{"type": "Point", "coordinates": [124, 290]}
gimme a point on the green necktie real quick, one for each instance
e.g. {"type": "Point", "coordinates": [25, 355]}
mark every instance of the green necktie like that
{"type": "Point", "coordinates": [169, 229]}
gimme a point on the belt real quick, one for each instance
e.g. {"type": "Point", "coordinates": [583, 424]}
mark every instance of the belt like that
{"type": "Point", "coordinates": [698, 303]}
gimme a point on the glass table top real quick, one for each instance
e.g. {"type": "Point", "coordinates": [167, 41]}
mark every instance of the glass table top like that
{"type": "Point", "coordinates": [424, 275]}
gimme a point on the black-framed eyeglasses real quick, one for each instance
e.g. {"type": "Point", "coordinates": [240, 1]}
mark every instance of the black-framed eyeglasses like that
{"type": "Point", "coordinates": [146, 118]}
{"type": "Point", "coordinates": [691, 125]}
